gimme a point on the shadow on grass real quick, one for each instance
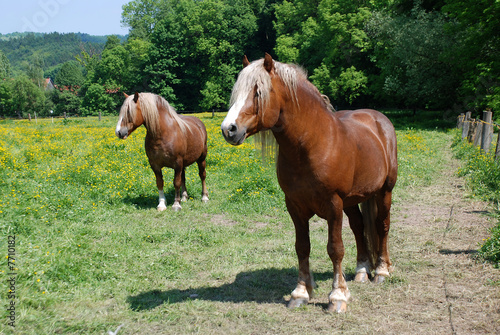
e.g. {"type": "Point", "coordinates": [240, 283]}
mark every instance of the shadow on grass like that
{"type": "Point", "coordinates": [150, 200]}
{"type": "Point", "coordinates": [261, 286]}
{"type": "Point", "coordinates": [458, 252]}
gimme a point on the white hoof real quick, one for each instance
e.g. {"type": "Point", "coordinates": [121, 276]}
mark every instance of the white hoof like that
{"type": "Point", "coordinates": [161, 207]}
{"type": "Point", "coordinates": [176, 207]}
{"type": "Point", "coordinates": [204, 198]}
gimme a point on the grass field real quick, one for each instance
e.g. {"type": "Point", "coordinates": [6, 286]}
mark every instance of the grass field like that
{"type": "Point", "coordinates": [92, 253]}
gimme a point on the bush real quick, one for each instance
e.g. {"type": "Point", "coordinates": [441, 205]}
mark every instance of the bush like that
{"type": "Point", "coordinates": [482, 173]}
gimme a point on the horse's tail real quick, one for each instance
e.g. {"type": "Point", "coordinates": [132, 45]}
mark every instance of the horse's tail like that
{"type": "Point", "coordinates": [369, 212]}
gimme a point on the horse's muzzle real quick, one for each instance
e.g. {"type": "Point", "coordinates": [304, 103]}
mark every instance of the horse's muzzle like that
{"type": "Point", "coordinates": [122, 133]}
{"type": "Point", "coordinates": [232, 134]}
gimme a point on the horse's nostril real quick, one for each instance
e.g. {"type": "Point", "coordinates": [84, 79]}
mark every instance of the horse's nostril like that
{"type": "Point", "coordinates": [232, 128]}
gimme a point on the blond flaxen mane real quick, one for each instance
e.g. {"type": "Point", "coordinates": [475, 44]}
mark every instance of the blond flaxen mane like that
{"type": "Point", "coordinates": [255, 75]}
{"type": "Point", "coordinates": [150, 104]}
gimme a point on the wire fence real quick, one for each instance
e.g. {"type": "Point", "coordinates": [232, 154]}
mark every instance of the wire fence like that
{"type": "Point", "coordinates": [479, 131]}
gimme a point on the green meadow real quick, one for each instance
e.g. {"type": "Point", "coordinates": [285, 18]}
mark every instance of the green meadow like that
{"type": "Point", "coordinates": [92, 252]}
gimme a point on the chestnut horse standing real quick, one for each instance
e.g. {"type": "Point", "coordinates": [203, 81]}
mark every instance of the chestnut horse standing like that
{"type": "Point", "coordinates": [172, 140]}
{"type": "Point", "coordinates": [327, 162]}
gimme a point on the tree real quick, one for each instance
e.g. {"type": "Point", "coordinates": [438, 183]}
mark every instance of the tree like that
{"type": "Point", "coordinates": [142, 15]}
{"type": "Point", "coordinates": [27, 97]}
{"type": "Point", "coordinates": [34, 70]}
{"type": "Point", "coordinates": [66, 102]}
{"type": "Point", "coordinates": [6, 97]}
{"type": "Point", "coordinates": [475, 56]}
{"type": "Point", "coordinates": [410, 53]}
{"type": "Point", "coordinates": [138, 51]}
{"type": "Point", "coordinates": [96, 100]}
{"type": "Point", "coordinates": [5, 70]}
{"type": "Point", "coordinates": [199, 45]}
{"type": "Point", "coordinates": [70, 75]}
{"type": "Point", "coordinates": [327, 37]}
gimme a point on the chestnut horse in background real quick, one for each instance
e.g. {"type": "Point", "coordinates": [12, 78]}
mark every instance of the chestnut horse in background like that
{"type": "Point", "coordinates": [172, 140]}
{"type": "Point", "coordinates": [327, 163]}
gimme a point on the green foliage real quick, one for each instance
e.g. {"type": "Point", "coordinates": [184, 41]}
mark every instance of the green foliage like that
{"type": "Point", "coordinates": [96, 100]}
{"type": "Point", "coordinates": [199, 45]}
{"type": "Point", "coordinates": [410, 51]}
{"type": "Point", "coordinates": [328, 38]}
{"type": "Point", "coordinates": [475, 54]}
{"type": "Point", "coordinates": [6, 97]}
{"type": "Point", "coordinates": [141, 16]}
{"type": "Point", "coordinates": [66, 101]}
{"type": "Point", "coordinates": [27, 97]}
{"type": "Point", "coordinates": [53, 48]}
{"type": "Point", "coordinates": [70, 75]}
{"type": "Point", "coordinates": [490, 250]}
{"type": "Point", "coordinates": [4, 66]}
{"type": "Point", "coordinates": [480, 169]}
{"type": "Point", "coordinates": [483, 179]}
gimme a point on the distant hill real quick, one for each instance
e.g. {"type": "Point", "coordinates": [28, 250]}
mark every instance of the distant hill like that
{"type": "Point", "coordinates": [53, 48]}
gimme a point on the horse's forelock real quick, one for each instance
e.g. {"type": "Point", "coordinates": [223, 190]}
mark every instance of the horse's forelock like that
{"type": "Point", "coordinates": [256, 76]}
{"type": "Point", "coordinates": [127, 111]}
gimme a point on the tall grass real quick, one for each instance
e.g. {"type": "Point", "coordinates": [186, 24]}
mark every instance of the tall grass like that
{"type": "Point", "coordinates": [482, 173]}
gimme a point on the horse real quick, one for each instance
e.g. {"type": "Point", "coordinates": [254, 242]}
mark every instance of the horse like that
{"type": "Point", "coordinates": [172, 140]}
{"type": "Point", "coordinates": [327, 162]}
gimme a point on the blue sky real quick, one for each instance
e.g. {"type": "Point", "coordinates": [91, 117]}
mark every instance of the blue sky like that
{"type": "Point", "coordinates": [94, 17]}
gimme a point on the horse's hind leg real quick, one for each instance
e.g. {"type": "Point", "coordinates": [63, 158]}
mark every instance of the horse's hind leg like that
{"type": "Point", "coordinates": [159, 183]}
{"type": "Point", "coordinates": [184, 193]}
{"type": "Point", "coordinates": [384, 265]}
{"type": "Point", "coordinates": [363, 267]}
{"type": "Point", "coordinates": [203, 174]}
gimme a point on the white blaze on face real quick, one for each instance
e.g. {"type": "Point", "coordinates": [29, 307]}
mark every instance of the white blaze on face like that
{"type": "Point", "coordinates": [233, 113]}
{"type": "Point", "coordinates": [118, 125]}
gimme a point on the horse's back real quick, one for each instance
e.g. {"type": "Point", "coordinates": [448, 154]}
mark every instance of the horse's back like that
{"type": "Point", "coordinates": [363, 125]}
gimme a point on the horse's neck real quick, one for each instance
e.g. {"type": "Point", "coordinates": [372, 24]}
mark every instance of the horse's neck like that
{"type": "Point", "coordinates": [305, 120]}
{"type": "Point", "coordinates": [166, 125]}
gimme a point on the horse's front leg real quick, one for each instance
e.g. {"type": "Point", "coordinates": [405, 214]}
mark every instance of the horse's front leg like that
{"type": "Point", "coordinates": [340, 293]}
{"type": "Point", "coordinates": [177, 185]}
{"type": "Point", "coordinates": [203, 174]}
{"type": "Point", "coordinates": [184, 194]}
{"type": "Point", "coordinates": [305, 283]}
{"type": "Point", "coordinates": [159, 184]}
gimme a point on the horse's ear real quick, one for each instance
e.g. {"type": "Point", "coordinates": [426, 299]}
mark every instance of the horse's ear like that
{"type": "Point", "coordinates": [136, 97]}
{"type": "Point", "coordinates": [245, 61]}
{"type": "Point", "coordinates": [125, 94]}
{"type": "Point", "coordinates": [268, 63]}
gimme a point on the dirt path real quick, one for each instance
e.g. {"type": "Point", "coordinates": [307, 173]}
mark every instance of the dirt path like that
{"type": "Point", "coordinates": [448, 291]}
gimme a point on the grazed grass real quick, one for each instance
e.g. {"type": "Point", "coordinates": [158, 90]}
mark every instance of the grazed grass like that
{"type": "Point", "coordinates": [92, 252]}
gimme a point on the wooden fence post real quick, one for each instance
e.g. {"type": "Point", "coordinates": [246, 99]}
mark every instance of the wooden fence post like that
{"type": "Point", "coordinates": [29, 116]}
{"type": "Point", "coordinates": [99, 116]}
{"type": "Point", "coordinates": [466, 125]}
{"type": "Point", "coordinates": [478, 134]}
{"type": "Point", "coordinates": [460, 120]}
{"type": "Point", "coordinates": [471, 134]}
{"type": "Point", "coordinates": [487, 135]}
{"type": "Point", "coordinates": [65, 117]}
